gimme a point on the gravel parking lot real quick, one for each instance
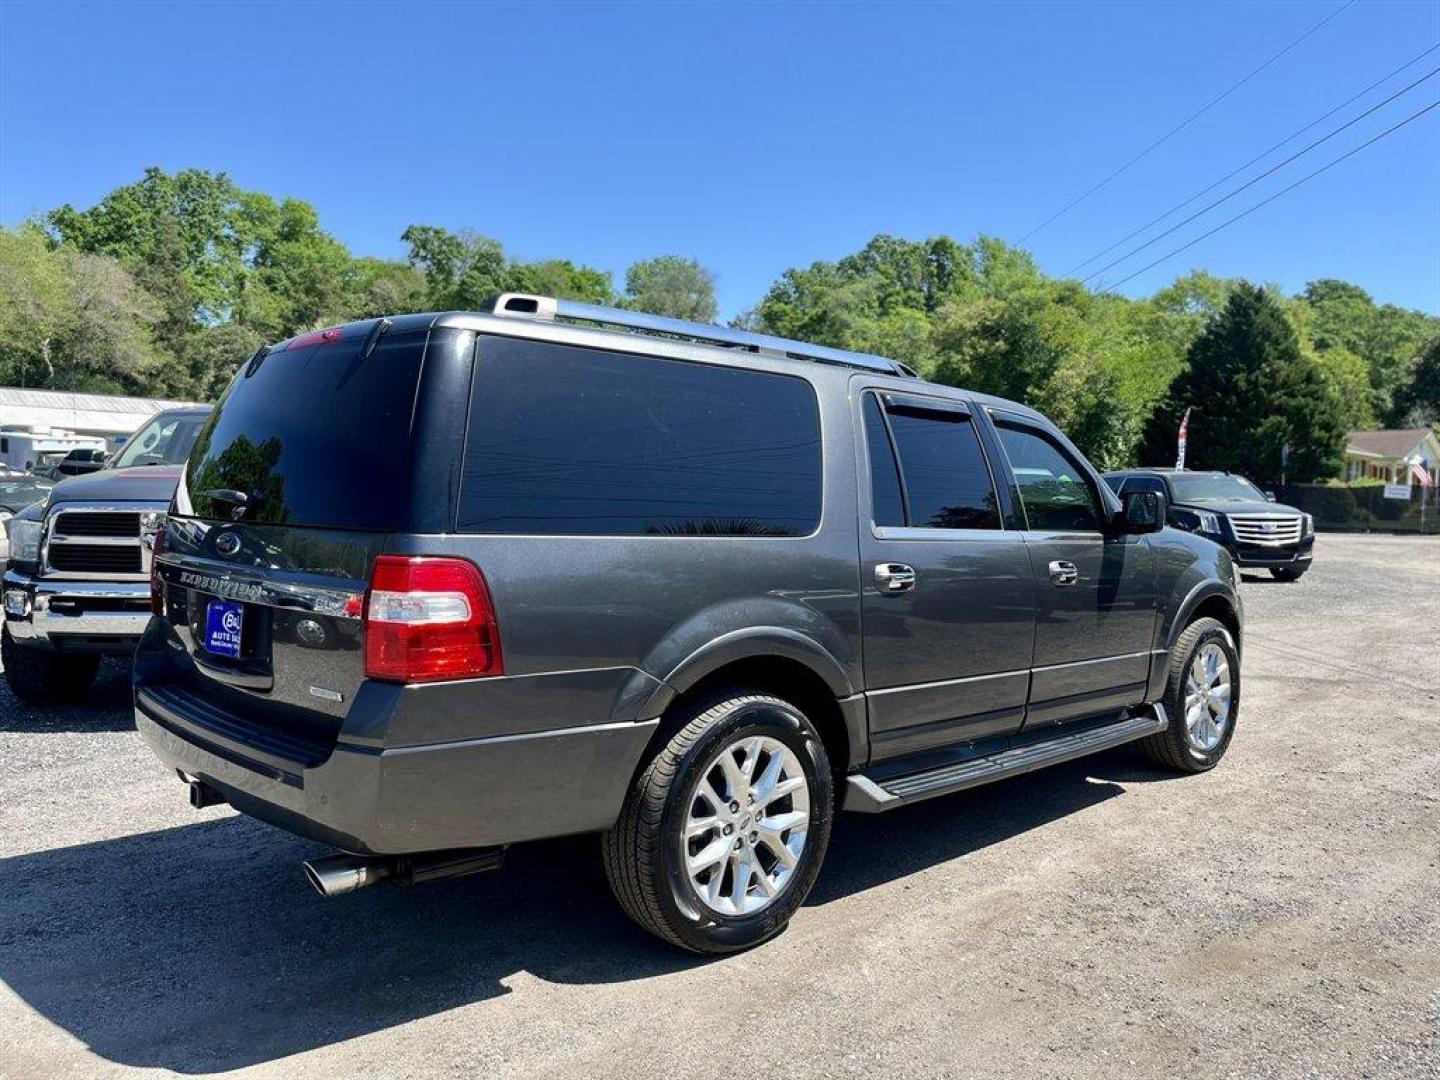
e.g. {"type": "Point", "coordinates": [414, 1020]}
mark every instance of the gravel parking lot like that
{"type": "Point", "coordinates": [1277, 917]}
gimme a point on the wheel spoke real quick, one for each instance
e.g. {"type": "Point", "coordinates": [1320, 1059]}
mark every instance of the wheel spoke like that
{"type": "Point", "coordinates": [734, 777]}
{"type": "Point", "coordinates": [767, 886]}
{"type": "Point", "coordinates": [780, 822]}
{"type": "Point", "coordinates": [740, 887]}
{"type": "Point", "coordinates": [713, 795]}
{"type": "Point", "coordinates": [778, 848]}
{"type": "Point", "coordinates": [752, 758]}
{"type": "Point", "coordinates": [700, 826]}
{"type": "Point", "coordinates": [765, 784]}
{"type": "Point", "coordinates": [785, 787]}
{"type": "Point", "coordinates": [709, 855]}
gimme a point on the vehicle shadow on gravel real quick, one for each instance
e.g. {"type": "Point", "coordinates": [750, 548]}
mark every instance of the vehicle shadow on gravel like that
{"type": "Point", "coordinates": [200, 948]}
{"type": "Point", "coordinates": [104, 707]}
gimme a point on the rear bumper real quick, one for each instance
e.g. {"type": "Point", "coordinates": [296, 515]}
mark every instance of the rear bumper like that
{"type": "Point", "coordinates": [76, 616]}
{"type": "Point", "coordinates": [371, 799]}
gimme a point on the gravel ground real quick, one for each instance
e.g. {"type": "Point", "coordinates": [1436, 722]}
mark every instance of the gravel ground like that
{"type": "Point", "coordinates": [1279, 916]}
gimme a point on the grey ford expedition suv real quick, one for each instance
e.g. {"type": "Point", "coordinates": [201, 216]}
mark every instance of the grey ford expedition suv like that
{"type": "Point", "coordinates": [438, 584]}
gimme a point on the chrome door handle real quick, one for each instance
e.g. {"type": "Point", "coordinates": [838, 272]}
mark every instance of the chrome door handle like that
{"type": "Point", "coordinates": [894, 577]}
{"type": "Point", "coordinates": [1063, 573]}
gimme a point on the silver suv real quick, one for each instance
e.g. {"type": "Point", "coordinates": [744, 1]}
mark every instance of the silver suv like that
{"type": "Point", "coordinates": [438, 584]}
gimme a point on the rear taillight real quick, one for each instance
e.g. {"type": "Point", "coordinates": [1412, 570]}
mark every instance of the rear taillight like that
{"type": "Point", "coordinates": [427, 619]}
{"type": "Point", "coordinates": [157, 585]}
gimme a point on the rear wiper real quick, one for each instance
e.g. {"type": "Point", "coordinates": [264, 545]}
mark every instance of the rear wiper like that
{"type": "Point", "coordinates": [238, 500]}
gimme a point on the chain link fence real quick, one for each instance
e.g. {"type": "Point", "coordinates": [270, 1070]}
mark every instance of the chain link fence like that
{"type": "Point", "coordinates": [1364, 508]}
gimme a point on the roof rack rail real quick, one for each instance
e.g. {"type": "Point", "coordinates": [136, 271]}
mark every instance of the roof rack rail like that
{"type": "Point", "coordinates": [526, 306]}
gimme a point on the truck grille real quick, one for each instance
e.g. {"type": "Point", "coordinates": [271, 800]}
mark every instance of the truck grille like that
{"type": "Point", "coordinates": [92, 542]}
{"type": "Point", "coordinates": [95, 558]}
{"type": "Point", "coordinates": [1266, 530]}
{"type": "Point", "coordinates": [97, 523]}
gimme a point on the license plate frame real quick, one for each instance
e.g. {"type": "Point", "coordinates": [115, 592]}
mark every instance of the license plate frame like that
{"type": "Point", "coordinates": [224, 628]}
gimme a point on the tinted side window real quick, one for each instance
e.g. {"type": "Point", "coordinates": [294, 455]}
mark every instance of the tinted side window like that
{"type": "Point", "coordinates": [1116, 483]}
{"type": "Point", "coordinates": [570, 441]}
{"type": "Point", "coordinates": [887, 504]}
{"type": "Point", "coordinates": [947, 483]}
{"type": "Point", "coordinates": [1052, 485]}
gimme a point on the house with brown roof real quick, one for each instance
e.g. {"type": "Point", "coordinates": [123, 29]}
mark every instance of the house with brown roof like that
{"type": "Point", "coordinates": [1388, 455]}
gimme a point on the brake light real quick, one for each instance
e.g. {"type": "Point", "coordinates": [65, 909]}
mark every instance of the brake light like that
{"type": "Point", "coordinates": [427, 619]}
{"type": "Point", "coordinates": [319, 337]}
{"type": "Point", "coordinates": [157, 585]}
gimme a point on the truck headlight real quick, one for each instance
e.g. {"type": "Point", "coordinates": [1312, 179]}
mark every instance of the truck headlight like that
{"type": "Point", "coordinates": [24, 536]}
{"type": "Point", "coordinates": [1307, 527]}
{"type": "Point", "coordinates": [1209, 523]}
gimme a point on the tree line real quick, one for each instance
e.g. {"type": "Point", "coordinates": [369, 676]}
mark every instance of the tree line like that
{"type": "Point", "coordinates": [165, 285]}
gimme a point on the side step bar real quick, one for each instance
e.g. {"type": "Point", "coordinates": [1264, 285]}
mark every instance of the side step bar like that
{"type": "Point", "coordinates": [870, 796]}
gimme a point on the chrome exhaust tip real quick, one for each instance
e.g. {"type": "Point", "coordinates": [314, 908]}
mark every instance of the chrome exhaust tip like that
{"type": "Point", "coordinates": [336, 875]}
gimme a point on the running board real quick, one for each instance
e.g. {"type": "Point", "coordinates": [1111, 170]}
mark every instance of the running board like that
{"type": "Point", "coordinates": [870, 796]}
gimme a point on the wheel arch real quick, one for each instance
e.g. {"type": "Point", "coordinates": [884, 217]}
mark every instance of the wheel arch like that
{"type": "Point", "coordinates": [776, 661]}
{"type": "Point", "coordinates": [1209, 600]}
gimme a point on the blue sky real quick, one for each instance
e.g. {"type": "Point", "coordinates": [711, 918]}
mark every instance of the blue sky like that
{"type": "Point", "coordinates": [752, 137]}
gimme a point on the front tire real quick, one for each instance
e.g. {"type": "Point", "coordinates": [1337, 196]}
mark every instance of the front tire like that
{"type": "Point", "coordinates": [1202, 697]}
{"type": "Point", "coordinates": [724, 830]}
{"type": "Point", "coordinates": [43, 677]}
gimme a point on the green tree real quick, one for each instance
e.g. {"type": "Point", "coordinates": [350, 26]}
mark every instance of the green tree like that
{"type": "Point", "coordinates": [1252, 391]}
{"type": "Point", "coordinates": [671, 285]}
{"type": "Point", "coordinates": [1417, 403]}
{"type": "Point", "coordinates": [462, 270]}
{"type": "Point", "coordinates": [1339, 315]}
{"type": "Point", "coordinates": [73, 321]}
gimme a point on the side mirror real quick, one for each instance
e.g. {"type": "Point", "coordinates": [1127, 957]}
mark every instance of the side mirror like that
{"type": "Point", "coordinates": [1269, 496]}
{"type": "Point", "coordinates": [1141, 512]}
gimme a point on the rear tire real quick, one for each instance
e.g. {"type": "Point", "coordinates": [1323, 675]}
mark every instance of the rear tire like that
{"type": "Point", "coordinates": [1288, 573]}
{"type": "Point", "coordinates": [43, 677]}
{"type": "Point", "coordinates": [705, 854]}
{"type": "Point", "coordinates": [1199, 732]}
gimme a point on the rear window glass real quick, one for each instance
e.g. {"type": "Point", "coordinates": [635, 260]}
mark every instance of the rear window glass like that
{"type": "Point", "coordinates": [313, 436]}
{"type": "Point", "coordinates": [570, 441]}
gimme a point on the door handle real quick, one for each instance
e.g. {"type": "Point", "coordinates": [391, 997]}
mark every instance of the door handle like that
{"type": "Point", "coordinates": [894, 577]}
{"type": "Point", "coordinates": [1063, 573]}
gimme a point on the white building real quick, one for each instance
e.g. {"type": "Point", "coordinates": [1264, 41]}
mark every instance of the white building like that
{"type": "Point", "coordinates": [38, 421]}
{"type": "Point", "coordinates": [1388, 455]}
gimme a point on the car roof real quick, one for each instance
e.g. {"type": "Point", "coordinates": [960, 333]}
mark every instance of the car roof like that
{"type": "Point", "coordinates": [594, 335]}
{"type": "Point", "coordinates": [1165, 470]}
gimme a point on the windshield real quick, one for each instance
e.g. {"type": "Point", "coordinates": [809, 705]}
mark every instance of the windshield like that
{"type": "Point", "coordinates": [165, 439]}
{"type": "Point", "coordinates": [12, 488]}
{"type": "Point", "coordinates": [1193, 489]}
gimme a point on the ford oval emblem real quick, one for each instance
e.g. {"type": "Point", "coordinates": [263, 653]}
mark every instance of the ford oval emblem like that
{"type": "Point", "coordinates": [227, 543]}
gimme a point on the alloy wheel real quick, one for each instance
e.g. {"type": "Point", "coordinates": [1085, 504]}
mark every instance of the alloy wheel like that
{"type": "Point", "coordinates": [1207, 698]}
{"type": "Point", "coordinates": [745, 827]}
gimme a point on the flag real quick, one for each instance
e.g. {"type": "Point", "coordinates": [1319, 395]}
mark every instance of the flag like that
{"type": "Point", "coordinates": [1184, 432]}
{"type": "Point", "coordinates": [1421, 476]}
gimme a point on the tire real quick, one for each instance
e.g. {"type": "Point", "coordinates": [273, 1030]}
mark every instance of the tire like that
{"type": "Point", "coordinates": [43, 677]}
{"type": "Point", "coordinates": [1187, 747]}
{"type": "Point", "coordinates": [1288, 573]}
{"type": "Point", "coordinates": [646, 854]}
